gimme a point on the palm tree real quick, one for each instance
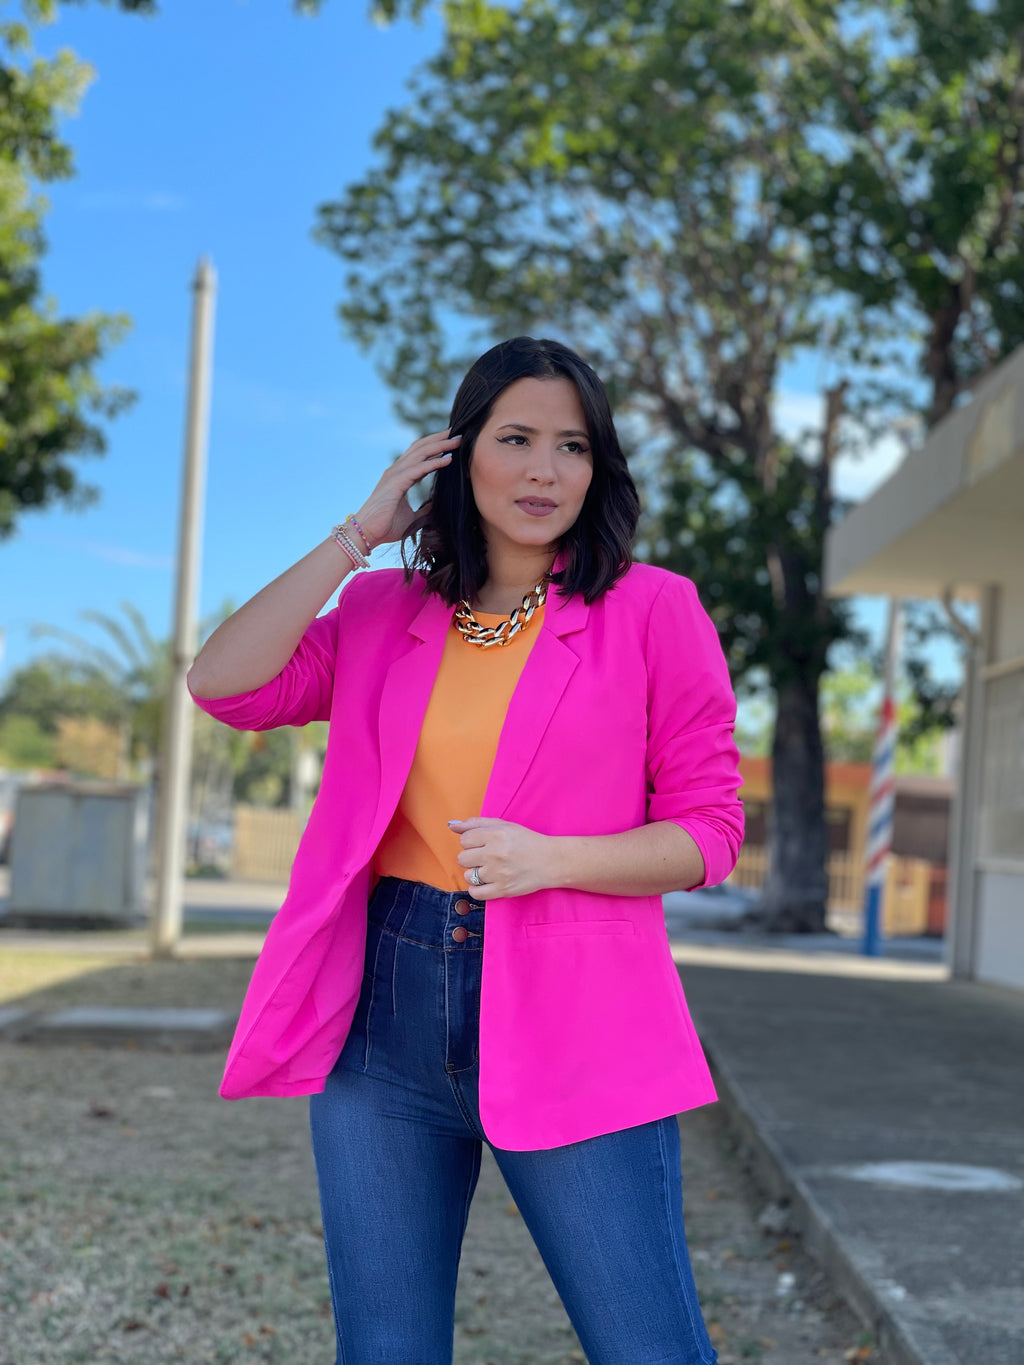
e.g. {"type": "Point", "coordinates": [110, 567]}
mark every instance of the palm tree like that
{"type": "Point", "coordinates": [135, 666]}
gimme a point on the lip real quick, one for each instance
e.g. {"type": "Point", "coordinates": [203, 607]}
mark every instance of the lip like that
{"type": "Point", "coordinates": [535, 509]}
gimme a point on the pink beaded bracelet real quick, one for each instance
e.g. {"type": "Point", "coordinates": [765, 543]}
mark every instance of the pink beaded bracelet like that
{"type": "Point", "coordinates": [357, 557]}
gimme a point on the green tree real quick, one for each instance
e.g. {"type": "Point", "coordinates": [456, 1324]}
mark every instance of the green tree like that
{"type": "Point", "coordinates": [628, 177]}
{"type": "Point", "coordinates": [849, 712]}
{"type": "Point", "coordinates": [52, 687]}
{"type": "Point", "coordinates": [50, 396]}
{"type": "Point", "coordinates": [914, 204]}
{"type": "Point", "coordinates": [52, 406]}
{"type": "Point", "coordinates": [24, 743]}
{"type": "Point", "coordinates": [850, 699]}
{"type": "Point", "coordinates": [129, 669]}
{"type": "Point", "coordinates": [611, 174]}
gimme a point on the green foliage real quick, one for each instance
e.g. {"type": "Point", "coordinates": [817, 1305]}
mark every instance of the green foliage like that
{"type": "Point", "coordinates": [52, 406]}
{"type": "Point", "coordinates": [129, 668]}
{"type": "Point", "coordinates": [648, 181]}
{"type": "Point", "coordinates": [24, 743]}
{"type": "Point", "coordinates": [919, 752]}
{"type": "Point", "coordinates": [45, 11]}
{"type": "Point", "coordinates": [121, 680]}
{"type": "Point", "coordinates": [50, 397]}
{"type": "Point", "coordinates": [849, 701]}
{"type": "Point", "coordinates": [913, 201]}
{"type": "Point", "coordinates": [936, 705]}
{"type": "Point", "coordinates": [686, 192]}
{"type": "Point", "coordinates": [385, 11]}
{"type": "Point", "coordinates": [849, 712]}
{"type": "Point", "coordinates": [52, 687]}
{"type": "Point", "coordinates": [264, 780]}
{"type": "Point", "coordinates": [609, 174]}
{"type": "Point", "coordinates": [754, 719]}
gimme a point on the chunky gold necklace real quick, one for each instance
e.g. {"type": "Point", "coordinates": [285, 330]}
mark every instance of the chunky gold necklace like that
{"type": "Point", "coordinates": [478, 634]}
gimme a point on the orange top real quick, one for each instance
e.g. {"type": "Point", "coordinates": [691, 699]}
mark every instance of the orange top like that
{"type": "Point", "coordinates": [454, 755]}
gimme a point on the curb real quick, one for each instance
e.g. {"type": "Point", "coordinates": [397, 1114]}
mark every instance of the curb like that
{"type": "Point", "coordinates": [904, 1336]}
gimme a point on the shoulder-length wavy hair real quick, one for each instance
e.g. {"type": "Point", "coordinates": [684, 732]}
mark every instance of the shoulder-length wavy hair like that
{"type": "Point", "coordinates": [451, 553]}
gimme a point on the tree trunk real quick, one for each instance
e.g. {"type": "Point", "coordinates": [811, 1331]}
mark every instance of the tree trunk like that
{"type": "Point", "coordinates": [940, 363]}
{"type": "Point", "coordinates": [795, 891]}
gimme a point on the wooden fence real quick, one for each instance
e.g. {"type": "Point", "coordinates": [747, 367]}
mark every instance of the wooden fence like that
{"type": "Point", "coordinates": [907, 888]}
{"type": "Point", "coordinates": [265, 843]}
{"type": "Point", "coordinates": [845, 876]}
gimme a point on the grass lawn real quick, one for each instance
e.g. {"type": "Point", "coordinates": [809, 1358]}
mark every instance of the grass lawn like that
{"type": "Point", "coordinates": [25, 971]}
{"type": "Point", "coordinates": [42, 979]}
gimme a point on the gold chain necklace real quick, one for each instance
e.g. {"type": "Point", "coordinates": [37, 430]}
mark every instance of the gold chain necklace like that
{"type": "Point", "coordinates": [478, 634]}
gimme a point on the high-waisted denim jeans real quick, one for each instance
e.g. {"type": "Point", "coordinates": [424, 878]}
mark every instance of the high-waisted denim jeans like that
{"type": "Point", "coordinates": [397, 1141]}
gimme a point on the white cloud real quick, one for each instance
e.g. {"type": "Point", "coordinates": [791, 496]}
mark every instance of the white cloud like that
{"type": "Point", "coordinates": [144, 201]}
{"type": "Point", "coordinates": [122, 554]}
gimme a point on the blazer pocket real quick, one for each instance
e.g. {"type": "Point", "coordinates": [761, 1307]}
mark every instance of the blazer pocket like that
{"type": "Point", "coordinates": [552, 928]}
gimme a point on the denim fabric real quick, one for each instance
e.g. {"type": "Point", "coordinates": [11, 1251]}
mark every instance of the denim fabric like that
{"type": "Point", "coordinates": [397, 1141]}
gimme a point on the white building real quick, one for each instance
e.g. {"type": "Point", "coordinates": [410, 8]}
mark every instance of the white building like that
{"type": "Point", "coordinates": [951, 519]}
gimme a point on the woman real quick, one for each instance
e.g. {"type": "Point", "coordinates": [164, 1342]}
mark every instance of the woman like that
{"type": "Point", "coordinates": [545, 762]}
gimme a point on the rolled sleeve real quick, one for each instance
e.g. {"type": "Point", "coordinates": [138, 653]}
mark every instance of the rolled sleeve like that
{"type": "Point", "coordinates": [301, 692]}
{"type": "Point", "coordinates": [693, 772]}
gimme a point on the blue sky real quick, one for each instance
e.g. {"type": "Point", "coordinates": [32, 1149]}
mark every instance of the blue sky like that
{"type": "Point", "coordinates": [217, 128]}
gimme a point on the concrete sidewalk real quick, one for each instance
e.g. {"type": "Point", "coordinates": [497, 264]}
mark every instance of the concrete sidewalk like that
{"type": "Point", "coordinates": [830, 1066]}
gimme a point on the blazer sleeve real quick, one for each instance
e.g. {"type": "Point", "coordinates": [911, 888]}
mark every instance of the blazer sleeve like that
{"type": "Point", "coordinates": [692, 763]}
{"type": "Point", "coordinates": [301, 692]}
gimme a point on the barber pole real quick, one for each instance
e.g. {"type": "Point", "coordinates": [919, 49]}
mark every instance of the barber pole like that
{"type": "Point", "coordinates": [881, 797]}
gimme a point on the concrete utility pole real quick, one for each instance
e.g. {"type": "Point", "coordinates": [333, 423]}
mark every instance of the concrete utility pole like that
{"type": "Point", "coordinates": [176, 757]}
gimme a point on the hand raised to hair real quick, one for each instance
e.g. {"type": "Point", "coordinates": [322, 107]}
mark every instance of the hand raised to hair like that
{"type": "Point", "coordinates": [387, 513]}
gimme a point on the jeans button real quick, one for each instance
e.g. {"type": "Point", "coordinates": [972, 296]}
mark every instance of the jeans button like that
{"type": "Point", "coordinates": [462, 907]}
{"type": "Point", "coordinates": [460, 934]}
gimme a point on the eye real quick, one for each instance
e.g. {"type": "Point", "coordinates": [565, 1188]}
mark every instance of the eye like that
{"type": "Point", "coordinates": [577, 447]}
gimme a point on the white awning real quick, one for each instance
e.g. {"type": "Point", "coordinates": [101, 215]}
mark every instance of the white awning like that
{"type": "Point", "coordinates": [952, 515]}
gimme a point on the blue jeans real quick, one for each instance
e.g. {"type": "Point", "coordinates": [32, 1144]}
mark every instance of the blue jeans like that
{"type": "Point", "coordinates": [397, 1141]}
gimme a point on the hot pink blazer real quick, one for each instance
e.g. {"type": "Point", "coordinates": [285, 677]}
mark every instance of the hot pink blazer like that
{"type": "Point", "coordinates": [623, 715]}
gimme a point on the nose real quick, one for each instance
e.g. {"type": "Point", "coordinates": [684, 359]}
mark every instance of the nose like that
{"type": "Point", "coordinates": [542, 466]}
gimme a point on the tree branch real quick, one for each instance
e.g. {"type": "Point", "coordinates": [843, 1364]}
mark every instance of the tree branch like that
{"type": "Point", "coordinates": [789, 9]}
{"type": "Point", "coordinates": [971, 638]}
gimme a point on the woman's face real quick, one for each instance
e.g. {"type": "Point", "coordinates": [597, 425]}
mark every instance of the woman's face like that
{"type": "Point", "coordinates": [534, 446]}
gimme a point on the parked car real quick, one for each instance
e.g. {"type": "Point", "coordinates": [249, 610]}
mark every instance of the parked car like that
{"type": "Point", "coordinates": [709, 907]}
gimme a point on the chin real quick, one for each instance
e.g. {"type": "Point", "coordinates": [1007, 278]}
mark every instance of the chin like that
{"type": "Point", "coordinates": [539, 534]}
{"type": "Point", "coordinates": [538, 542]}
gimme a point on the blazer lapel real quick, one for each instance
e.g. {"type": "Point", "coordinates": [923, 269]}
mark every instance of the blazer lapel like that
{"type": "Point", "coordinates": [410, 679]}
{"type": "Point", "coordinates": [403, 704]}
{"type": "Point", "coordinates": [546, 673]}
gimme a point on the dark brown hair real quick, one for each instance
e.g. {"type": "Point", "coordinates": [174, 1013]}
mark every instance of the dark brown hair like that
{"type": "Point", "coordinates": [451, 551]}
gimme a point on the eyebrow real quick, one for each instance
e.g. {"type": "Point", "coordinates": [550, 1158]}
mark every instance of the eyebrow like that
{"type": "Point", "coordinates": [532, 431]}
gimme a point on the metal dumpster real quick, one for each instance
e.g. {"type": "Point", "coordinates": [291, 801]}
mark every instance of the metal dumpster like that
{"type": "Point", "coordinates": [79, 853]}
